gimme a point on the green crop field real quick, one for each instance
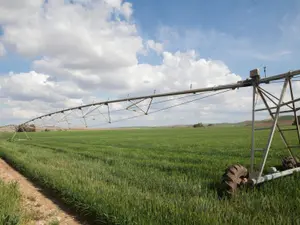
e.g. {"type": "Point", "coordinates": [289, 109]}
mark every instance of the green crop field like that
{"type": "Point", "coordinates": [155, 176]}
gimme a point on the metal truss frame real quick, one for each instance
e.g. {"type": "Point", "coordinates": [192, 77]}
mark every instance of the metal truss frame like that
{"type": "Point", "coordinates": [135, 101]}
{"type": "Point", "coordinates": [257, 176]}
{"type": "Point", "coordinates": [239, 84]}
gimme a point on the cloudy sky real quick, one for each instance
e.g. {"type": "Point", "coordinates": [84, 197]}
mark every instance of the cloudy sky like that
{"type": "Point", "coordinates": [56, 54]}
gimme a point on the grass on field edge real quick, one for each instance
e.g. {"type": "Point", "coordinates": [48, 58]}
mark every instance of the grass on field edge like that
{"type": "Point", "coordinates": [12, 208]}
{"type": "Point", "coordinates": [11, 212]}
{"type": "Point", "coordinates": [48, 191]}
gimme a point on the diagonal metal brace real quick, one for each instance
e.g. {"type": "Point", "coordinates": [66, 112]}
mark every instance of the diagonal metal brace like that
{"type": "Point", "coordinates": [146, 113]}
{"type": "Point", "coordinates": [108, 118]}
{"type": "Point", "coordinates": [278, 127]}
{"type": "Point", "coordinates": [92, 110]}
{"type": "Point", "coordinates": [136, 105]}
{"type": "Point", "coordinates": [295, 110]}
{"type": "Point", "coordinates": [108, 113]}
{"type": "Point", "coordinates": [83, 116]}
{"type": "Point", "coordinates": [266, 92]}
{"type": "Point", "coordinates": [275, 124]}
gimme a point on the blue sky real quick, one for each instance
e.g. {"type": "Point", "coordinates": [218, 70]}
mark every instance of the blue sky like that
{"type": "Point", "coordinates": [258, 22]}
{"type": "Point", "coordinates": [255, 23]}
{"type": "Point", "coordinates": [233, 16]}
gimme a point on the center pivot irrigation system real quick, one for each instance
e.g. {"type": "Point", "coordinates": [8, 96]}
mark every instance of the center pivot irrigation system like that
{"type": "Point", "coordinates": [235, 175]}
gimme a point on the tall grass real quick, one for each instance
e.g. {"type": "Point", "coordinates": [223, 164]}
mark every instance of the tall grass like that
{"type": "Point", "coordinates": [155, 176]}
{"type": "Point", "coordinates": [10, 204]}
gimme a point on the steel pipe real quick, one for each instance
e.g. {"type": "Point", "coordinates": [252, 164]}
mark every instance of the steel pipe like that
{"type": "Point", "coordinates": [274, 176]}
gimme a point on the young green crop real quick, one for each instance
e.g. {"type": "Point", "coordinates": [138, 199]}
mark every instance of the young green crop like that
{"type": "Point", "coordinates": [156, 176]}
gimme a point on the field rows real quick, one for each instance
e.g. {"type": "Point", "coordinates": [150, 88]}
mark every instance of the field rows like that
{"type": "Point", "coordinates": [154, 176]}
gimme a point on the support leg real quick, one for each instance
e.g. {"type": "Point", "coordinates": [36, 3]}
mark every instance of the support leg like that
{"type": "Point", "coordinates": [253, 124]}
{"type": "Point", "coordinates": [13, 137]}
{"type": "Point", "coordinates": [108, 113]}
{"type": "Point", "coordinates": [146, 113]}
{"type": "Point", "coordinates": [266, 152]}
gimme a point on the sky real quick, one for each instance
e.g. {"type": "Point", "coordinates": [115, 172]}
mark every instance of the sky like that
{"type": "Point", "coordinates": [57, 54]}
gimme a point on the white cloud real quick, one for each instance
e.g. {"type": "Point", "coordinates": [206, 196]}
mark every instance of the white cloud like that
{"type": "Point", "coordinates": [126, 9]}
{"type": "Point", "coordinates": [177, 72]}
{"type": "Point", "coordinates": [73, 34]}
{"type": "Point", "coordinates": [14, 11]}
{"type": "Point", "coordinates": [95, 51]}
{"type": "Point", "coordinates": [32, 85]}
{"type": "Point", "coordinates": [157, 47]}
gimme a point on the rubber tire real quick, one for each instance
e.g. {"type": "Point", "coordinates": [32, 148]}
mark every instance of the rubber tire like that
{"type": "Point", "coordinates": [289, 162]}
{"type": "Point", "coordinates": [234, 177]}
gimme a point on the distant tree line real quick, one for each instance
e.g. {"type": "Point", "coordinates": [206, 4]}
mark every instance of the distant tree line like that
{"type": "Point", "coordinates": [201, 125]}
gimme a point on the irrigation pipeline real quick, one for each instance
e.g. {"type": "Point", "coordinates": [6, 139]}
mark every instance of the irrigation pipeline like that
{"type": "Point", "coordinates": [156, 109]}
{"type": "Point", "coordinates": [169, 107]}
{"type": "Point", "coordinates": [239, 84]}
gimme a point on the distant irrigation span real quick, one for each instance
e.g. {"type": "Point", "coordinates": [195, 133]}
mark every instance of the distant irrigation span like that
{"type": "Point", "coordinates": [144, 104]}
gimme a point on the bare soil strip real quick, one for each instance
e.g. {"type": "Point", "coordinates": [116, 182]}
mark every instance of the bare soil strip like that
{"type": "Point", "coordinates": [40, 209]}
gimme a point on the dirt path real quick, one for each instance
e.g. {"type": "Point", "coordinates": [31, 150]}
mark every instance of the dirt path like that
{"type": "Point", "coordinates": [41, 209]}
